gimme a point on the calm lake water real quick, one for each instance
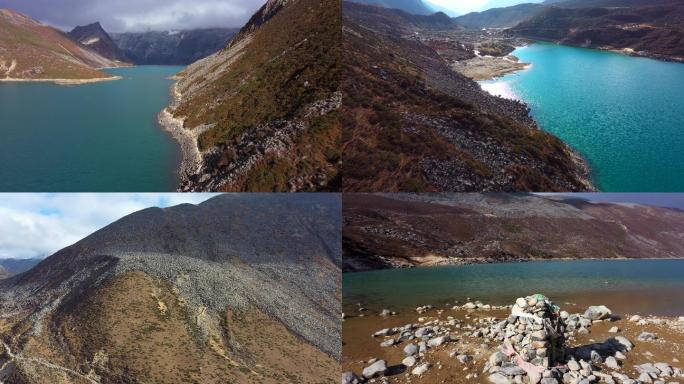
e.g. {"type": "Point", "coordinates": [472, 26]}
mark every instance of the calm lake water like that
{"type": "Point", "coordinates": [93, 137]}
{"type": "Point", "coordinates": [626, 286]}
{"type": "Point", "coordinates": [623, 114]}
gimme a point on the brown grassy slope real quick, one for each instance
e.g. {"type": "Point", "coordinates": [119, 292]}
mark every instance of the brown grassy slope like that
{"type": "Point", "coordinates": [290, 62]}
{"type": "Point", "coordinates": [136, 329]}
{"type": "Point", "coordinates": [412, 124]}
{"type": "Point", "coordinates": [650, 30]}
{"type": "Point", "coordinates": [382, 232]}
{"type": "Point", "coordinates": [42, 52]}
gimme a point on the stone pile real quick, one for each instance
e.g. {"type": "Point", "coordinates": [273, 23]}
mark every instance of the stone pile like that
{"type": "Point", "coordinates": [537, 344]}
{"type": "Point", "coordinates": [534, 348]}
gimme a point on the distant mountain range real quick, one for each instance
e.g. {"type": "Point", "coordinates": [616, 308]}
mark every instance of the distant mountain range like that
{"type": "Point", "coordinates": [239, 287]}
{"type": "Point", "coordinates": [30, 50]}
{"type": "Point", "coordinates": [416, 7]}
{"type": "Point", "coordinates": [500, 17]}
{"type": "Point", "coordinates": [637, 27]}
{"type": "Point", "coordinates": [172, 47]}
{"type": "Point", "coordinates": [95, 38]}
{"type": "Point", "coordinates": [16, 266]}
{"type": "Point", "coordinates": [387, 231]}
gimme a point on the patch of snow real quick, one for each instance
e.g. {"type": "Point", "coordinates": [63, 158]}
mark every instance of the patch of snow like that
{"type": "Point", "coordinates": [91, 41]}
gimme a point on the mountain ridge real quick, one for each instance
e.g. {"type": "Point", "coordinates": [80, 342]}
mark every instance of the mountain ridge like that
{"type": "Point", "coordinates": [651, 30]}
{"type": "Point", "coordinates": [412, 123]}
{"type": "Point", "coordinates": [96, 38]}
{"type": "Point", "coordinates": [385, 231]}
{"type": "Point", "coordinates": [416, 7]}
{"type": "Point", "coordinates": [282, 66]}
{"type": "Point", "coordinates": [32, 51]}
{"type": "Point", "coordinates": [180, 47]}
{"type": "Point", "coordinates": [256, 255]}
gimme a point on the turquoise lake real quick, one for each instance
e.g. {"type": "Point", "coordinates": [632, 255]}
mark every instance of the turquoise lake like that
{"type": "Point", "coordinates": [624, 114]}
{"type": "Point", "coordinates": [91, 138]}
{"type": "Point", "coordinates": [626, 286]}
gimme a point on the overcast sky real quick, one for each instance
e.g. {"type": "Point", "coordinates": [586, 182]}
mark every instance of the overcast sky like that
{"type": "Point", "coordinates": [138, 15]}
{"type": "Point", "coordinates": [37, 225]}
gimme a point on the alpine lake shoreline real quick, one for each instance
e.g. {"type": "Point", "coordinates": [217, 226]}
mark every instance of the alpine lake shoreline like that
{"type": "Point", "coordinates": [497, 68]}
{"type": "Point", "coordinates": [467, 340]}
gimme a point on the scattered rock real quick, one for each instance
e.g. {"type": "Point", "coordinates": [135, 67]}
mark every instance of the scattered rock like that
{"type": "Point", "coordinates": [350, 378]}
{"type": "Point", "coordinates": [409, 361]}
{"type": "Point", "coordinates": [376, 369]}
{"type": "Point", "coordinates": [647, 336]}
{"type": "Point", "coordinates": [599, 312]}
{"type": "Point", "coordinates": [419, 370]}
{"type": "Point", "coordinates": [410, 350]}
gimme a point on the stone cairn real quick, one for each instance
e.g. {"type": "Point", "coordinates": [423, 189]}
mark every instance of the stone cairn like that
{"type": "Point", "coordinates": [535, 330]}
{"type": "Point", "coordinates": [533, 339]}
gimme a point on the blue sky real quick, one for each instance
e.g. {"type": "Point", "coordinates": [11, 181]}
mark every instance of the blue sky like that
{"type": "Point", "coordinates": [465, 6]}
{"type": "Point", "coordinates": [37, 225]}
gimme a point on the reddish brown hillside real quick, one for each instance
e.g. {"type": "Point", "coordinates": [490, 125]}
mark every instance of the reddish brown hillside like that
{"type": "Point", "coordinates": [382, 231]}
{"type": "Point", "coordinates": [32, 50]}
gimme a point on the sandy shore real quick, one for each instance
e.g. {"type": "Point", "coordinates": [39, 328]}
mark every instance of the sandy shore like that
{"type": "Point", "coordinates": [482, 68]}
{"type": "Point", "coordinates": [61, 81]}
{"type": "Point", "coordinates": [192, 158]}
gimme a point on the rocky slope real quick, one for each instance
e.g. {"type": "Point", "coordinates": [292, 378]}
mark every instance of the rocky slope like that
{"type": "Point", "coordinates": [411, 123]}
{"type": "Point", "coordinates": [96, 38]}
{"type": "Point", "coordinates": [241, 288]}
{"type": "Point", "coordinates": [382, 231]}
{"type": "Point", "coordinates": [30, 50]}
{"type": "Point", "coordinates": [172, 47]}
{"type": "Point", "coordinates": [261, 114]}
{"type": "Point", "coordinates": [640, 28]}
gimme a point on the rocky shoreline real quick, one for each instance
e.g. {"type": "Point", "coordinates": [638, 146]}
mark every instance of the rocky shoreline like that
{"type": "Point", "coordinates": [191, 160]}
{"type": "Point", "coordinates": [61, 81]}
{"type": "Point", "coordinates": [433, 262]}
{"type": "Point", "coordinates": [483, 68]}
{"type": "Point", "coordinates": [530, 341]}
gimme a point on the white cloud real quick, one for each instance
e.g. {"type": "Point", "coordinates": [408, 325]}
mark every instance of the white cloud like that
{"type": "Point", "coordinates": [37, 225]}
{"type": "Point", "coordinates": [139, 15]}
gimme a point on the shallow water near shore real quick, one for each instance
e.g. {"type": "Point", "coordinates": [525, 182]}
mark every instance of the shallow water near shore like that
{"type": "Point", "coordinates": [622, 113]}
{"type": "Point", "coordinates": [94, 137]}
{"type": "Point", "coordinates": [650, 287]}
